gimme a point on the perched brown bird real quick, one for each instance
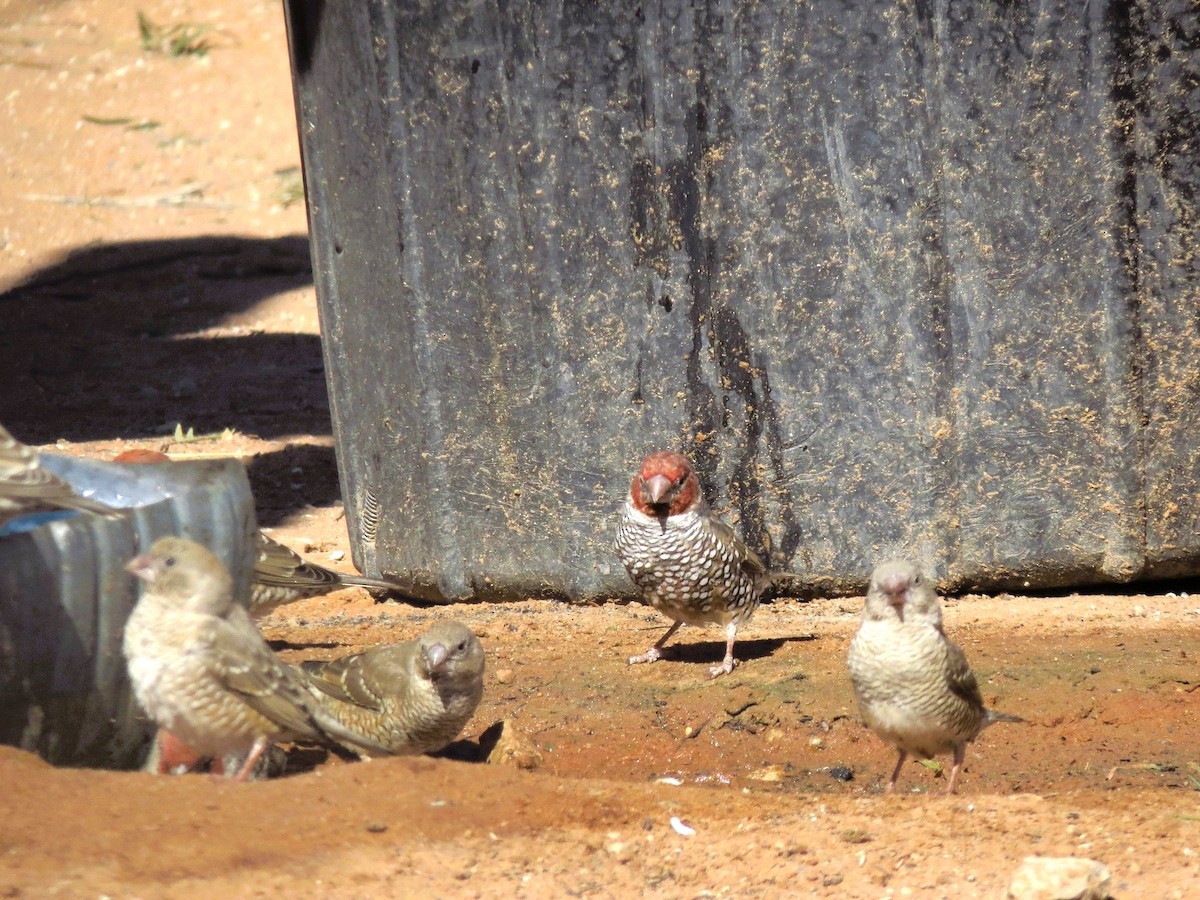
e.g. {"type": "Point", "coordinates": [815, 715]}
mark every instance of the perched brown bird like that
{"type": "Point", "coordinates": [198, 664]}
{"type": "Point", "coordinates": [27, 487]}
{"type": "Point", "coordinates": [281, 576]}
{"type": "Point", "coordinates": [913, 684]}
{"type": "Point", "coordinates": [412, 697]}
{"type": "Point", "coordinates": [687, 563]}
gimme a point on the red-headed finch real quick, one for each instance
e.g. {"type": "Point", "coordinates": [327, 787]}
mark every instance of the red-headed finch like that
{"type": "Point", "coordinates": [687, 563]}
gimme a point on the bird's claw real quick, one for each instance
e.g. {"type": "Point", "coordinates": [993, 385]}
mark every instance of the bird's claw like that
{"type": "Point", "coordinates": [651, 655]}
{"type": "Point", "coordinates": [727, 666]}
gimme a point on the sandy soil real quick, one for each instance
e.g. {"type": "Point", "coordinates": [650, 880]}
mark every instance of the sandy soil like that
{"type": "Point", "coordinates": [154, 271]}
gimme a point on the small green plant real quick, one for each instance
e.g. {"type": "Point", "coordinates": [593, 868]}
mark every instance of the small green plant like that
{"type": "Point", "coordinates": [290, 187]}
{"type": "Point", "coordinates": [184, 39]}
{"type": "Point", "coordinates": [932, 765]}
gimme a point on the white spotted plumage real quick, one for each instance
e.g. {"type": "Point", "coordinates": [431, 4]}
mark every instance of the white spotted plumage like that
{"type": "Point", "coordinates": [685, 562]}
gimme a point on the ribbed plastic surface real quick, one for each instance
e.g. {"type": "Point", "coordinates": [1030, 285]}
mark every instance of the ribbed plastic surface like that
{"type": "Point", "coordinates": [901, 278]}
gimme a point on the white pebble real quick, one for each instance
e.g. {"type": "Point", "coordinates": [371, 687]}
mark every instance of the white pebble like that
{"type": "Point", "coordinates": [337, 555]}
{"type": "Point", "coordinates": [681, 828]}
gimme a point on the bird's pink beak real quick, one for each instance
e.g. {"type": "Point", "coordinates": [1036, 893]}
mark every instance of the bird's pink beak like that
{"type": "Point", "coordinates": [657, 487]}
{"type": "Point", "coordinates": [896, 587]}
{"type": "Point", "coordinates": [435, 656]}
{"type": "Point", "coordinates": [141, 567]}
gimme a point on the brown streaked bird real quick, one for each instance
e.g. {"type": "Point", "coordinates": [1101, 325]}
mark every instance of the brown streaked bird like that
{"type": "Point", "coordinates": [26, 486]}
{"type": "Point", "coordinates": [687, 563]}
{"type": "Point", "coordinates": [406, 698]}
{"type": "Point", "coordinates": [199, 666]}
{"type": "Point", "coordinates": [913, 684]}
{"type": "Point", "coordinates": [280, 574]}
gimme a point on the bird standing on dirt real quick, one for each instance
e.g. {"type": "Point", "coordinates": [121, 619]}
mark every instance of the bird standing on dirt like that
{"type": "Point", "coordinates": [913, 684]}
{"type": "Point", "coordinates": [687, 563]}
{"type": "Point", "coordinates": [411, 697]}
{"type": "Point", "coordinates": [198, 664]}
{"type": "Point", "coordinates": [27, 487]}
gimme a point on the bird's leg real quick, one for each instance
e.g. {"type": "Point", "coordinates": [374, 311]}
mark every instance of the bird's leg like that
{"type": "Point", "coordinates": [891, 785]}
{"type": "Point", "coordinates": [260, 744]}
{"type": "Point", "coordinates": [164, 760]}
{"type": "Point", "coordinates": [174, 756]}
{"type": "Point", "coordinates": [960, 753]}
{"type": "Point", "coordinates": [728, 662]}
{"type": "Point", "coordinates": [655, 652]}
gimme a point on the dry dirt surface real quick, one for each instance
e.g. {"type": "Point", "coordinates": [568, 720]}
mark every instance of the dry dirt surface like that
{"type": "Point", "coordinates": [154, 272]}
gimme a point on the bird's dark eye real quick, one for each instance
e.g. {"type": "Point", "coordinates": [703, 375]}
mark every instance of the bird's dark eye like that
{"type": "Point", "coordinates": [462, 645]}
{"type": "Point", "coordinates": [916, 579]}
{"type": "Point", "coordinates": [169, 561]}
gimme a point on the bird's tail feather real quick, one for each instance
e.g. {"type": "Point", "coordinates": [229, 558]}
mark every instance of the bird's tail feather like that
{"type": "Point", "coordinates": [993, 716]}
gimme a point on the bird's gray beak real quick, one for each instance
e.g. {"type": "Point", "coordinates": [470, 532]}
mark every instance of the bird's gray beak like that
{"type": "Point", "coordinates": [435, 657]}
{"type": "Point", "coordinates": [141, 567]}
{"type": "Point", "coordinates": [657, 487]}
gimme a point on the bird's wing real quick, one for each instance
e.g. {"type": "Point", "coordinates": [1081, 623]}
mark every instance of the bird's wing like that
{"type": "Point", "coordinates": [23, 478]}
{"type": "Point", "coordinates": [959, 677]}
{"type": "Point", "coordinates": [280, 566]}
{"type": "Point", "coordinates": [749, 561]}
{"type": "Point", "coordinates": [354, 681]}
{"type": "Point", "coordinates": [246, 666]}
{"type": "Point", "coordinates": [362, 679]}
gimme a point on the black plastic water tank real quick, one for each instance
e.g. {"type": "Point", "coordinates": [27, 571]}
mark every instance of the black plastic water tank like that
{"type": "Point", "coordinates": [910, 278]}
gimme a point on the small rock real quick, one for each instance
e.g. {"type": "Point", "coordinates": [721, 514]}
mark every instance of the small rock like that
{"type": "Point", "coordinates": [503, 745]}
{"type": "Point", "coordinates": [504, 676]}
{"type": "Point", "coordinates": [1138, 612]}
{"type": "Point", "coordinates": [841, 773]}
{"type": "Point", "coordinates": [1060, 878]}
{"type": "Point", "coordinates": [337, 555]}
{"type": "Point", "coordinates": [620, 850]}
{"type": "Point", "coordinates": [767, 773]}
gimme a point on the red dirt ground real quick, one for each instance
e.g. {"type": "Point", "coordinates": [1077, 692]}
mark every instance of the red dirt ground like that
{"type": "Point", "coordinates": [154, 270]}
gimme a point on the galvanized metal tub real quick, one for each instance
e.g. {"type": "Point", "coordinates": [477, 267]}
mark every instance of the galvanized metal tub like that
{"type": "Point", "coordinates": [65, 597]}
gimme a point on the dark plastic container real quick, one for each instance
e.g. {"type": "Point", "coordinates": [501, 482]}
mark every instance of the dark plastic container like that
{"type": "Point", "coordinates": [911, 278]}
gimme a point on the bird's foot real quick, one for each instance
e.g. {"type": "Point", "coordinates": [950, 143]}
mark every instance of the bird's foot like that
{"type": "Point", "coordinates": [651, 655]}
{"type": "Point", "coordinates": [727, 665]}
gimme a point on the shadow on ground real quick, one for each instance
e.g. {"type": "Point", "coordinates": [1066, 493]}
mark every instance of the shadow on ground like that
{"type": "Point", "coordinates": [124, 341]}
{"type": "Point", "coordinates": [106, 343]}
